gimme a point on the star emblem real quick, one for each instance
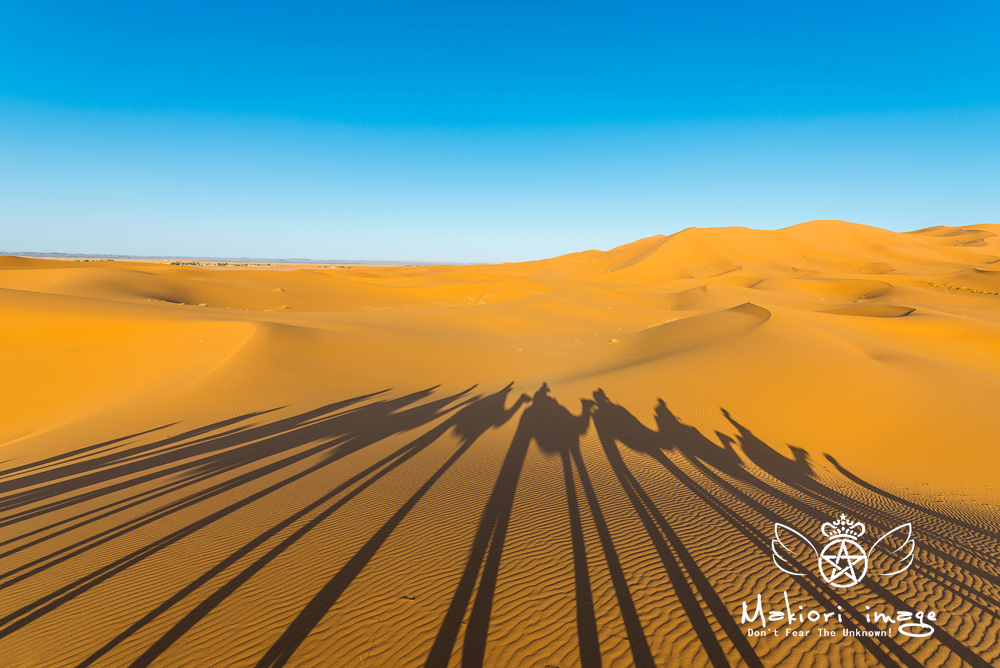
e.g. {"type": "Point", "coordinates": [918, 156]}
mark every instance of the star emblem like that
{"type": "Point", "coordinates": [843, 563]}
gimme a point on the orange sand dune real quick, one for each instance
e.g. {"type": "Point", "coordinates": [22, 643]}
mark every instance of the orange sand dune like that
{"type": "Point", "coordinates": [572, 462]}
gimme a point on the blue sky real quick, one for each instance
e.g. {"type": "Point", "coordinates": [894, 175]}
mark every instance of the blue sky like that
{"type": "Point", "coordinates": [485, 131]}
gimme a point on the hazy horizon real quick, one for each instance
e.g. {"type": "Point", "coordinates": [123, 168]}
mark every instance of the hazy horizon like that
{"type": "Point", "coordinates": [374, 261]}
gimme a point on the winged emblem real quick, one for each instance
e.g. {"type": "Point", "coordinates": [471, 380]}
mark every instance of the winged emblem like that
{"type": "Point", "coordinates": [791, 550]}
{"type": "Point", "coordinates": [899, 548]}
{"type": "Point", "coordinates": [843, 562]}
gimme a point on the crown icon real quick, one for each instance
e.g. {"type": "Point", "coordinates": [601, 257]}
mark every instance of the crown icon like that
{"type": "Point", "coordinates": [843, 528]}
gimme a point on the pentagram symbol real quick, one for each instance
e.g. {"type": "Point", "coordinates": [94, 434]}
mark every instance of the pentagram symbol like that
{"type": "Point", "coordinates": [843, 562]}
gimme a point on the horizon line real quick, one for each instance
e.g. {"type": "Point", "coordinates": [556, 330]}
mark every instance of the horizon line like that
{"type": "Point", "coordinates": [421, 263]}
{"type": "Point", "coordinates": [206, 258]}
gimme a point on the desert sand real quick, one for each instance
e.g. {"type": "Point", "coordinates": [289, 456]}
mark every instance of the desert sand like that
{"type": "Point", "coordinates": [571, 462]}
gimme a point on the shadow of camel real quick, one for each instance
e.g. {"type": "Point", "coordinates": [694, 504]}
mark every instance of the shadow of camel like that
{"type": "Point", "coordinates": [114, 493]}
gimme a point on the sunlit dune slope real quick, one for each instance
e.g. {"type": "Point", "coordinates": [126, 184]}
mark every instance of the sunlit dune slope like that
{"type": "Point", "coordinates": [523, 464]}
{"type": "Point", "coordinates": [857, 317]}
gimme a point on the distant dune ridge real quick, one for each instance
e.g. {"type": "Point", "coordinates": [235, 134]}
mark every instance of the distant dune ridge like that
{"type": "Point", "coordinates": [572, 462]}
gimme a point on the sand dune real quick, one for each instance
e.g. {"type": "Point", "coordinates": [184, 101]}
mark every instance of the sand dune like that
{"type": "Point", "coordinates": [572, 462]}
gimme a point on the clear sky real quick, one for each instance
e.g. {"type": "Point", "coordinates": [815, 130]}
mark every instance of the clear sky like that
{"type": "Point", "coordinates": [485, 131]}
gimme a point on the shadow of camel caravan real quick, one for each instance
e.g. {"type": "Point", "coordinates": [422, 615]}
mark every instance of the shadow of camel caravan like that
{"type": "Point", "coordinates": [701, 509]}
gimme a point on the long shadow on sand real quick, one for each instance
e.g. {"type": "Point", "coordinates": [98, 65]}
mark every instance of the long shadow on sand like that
{"type": "Point", "coordinates": [718, 476]}
{"type": "Point", "coordinates": [556, 430]}
{"type": "Point", "coordinates": [93, 496]}
{"type": "Point", "coordinates": [249, 455]}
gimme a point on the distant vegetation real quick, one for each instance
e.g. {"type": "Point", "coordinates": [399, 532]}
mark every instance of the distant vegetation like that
{"type": "Point", "coordinates": [952, 286]}
{"type": "Point", "coordinates": [195, 263]}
